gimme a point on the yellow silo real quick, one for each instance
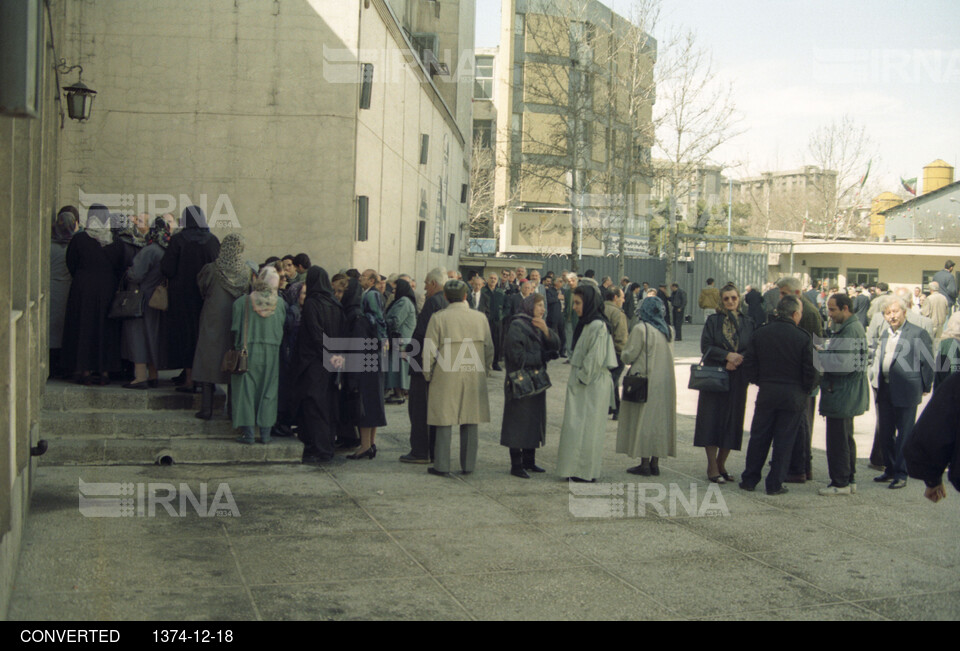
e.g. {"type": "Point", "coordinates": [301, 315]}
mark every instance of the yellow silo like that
{"type": "Point", "coordinates": [936, 175]}
{"type": "Point", "coordinates": [881, 202]}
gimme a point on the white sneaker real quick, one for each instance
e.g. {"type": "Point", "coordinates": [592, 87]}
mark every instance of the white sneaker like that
{"type": "Point", "coordinates": [833, 490]}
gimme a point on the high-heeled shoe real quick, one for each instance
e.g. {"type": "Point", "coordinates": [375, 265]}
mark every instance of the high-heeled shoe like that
{"type": "Point", "coordinates": [369, 453]}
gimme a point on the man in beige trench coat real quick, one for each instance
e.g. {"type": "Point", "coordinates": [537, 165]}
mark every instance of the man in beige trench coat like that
{"type": "Point", "coordinates": [457, 353]}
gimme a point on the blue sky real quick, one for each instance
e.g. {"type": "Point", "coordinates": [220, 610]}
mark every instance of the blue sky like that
{"type": "Point", "coordinates": [796, 65]}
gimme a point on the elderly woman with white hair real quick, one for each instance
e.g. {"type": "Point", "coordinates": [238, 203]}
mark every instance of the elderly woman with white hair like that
{"type": "Point", "coordinates": [258, 320]}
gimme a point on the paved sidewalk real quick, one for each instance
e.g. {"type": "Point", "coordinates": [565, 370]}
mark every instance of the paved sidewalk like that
{"type": "Point", "coordinates": [383, 540]}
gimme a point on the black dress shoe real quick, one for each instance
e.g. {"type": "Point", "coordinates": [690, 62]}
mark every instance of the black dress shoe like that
{"type": "Point", "coordinates": [135, 385]}
{"type": "Point", "coordinates": [883, 479]}
{"type": "Point", "coordinates": [780, 491]}
{"type": "Point", "coordinates": [897, 483]}
{"type": "Point", "coordinates": [534, 468]}
{"type": "Point", "coordinates": [747, 487]}
{"type": "Point", "coordinates": [579, 480]}
{"type": "Point", "coordinates": [434, 471]}
{"type": "Point", "coordinates": [409, 458]}
{"type": "Point", "coordinates": [643, 471]}
{"type": "Point", "coordinates": [519, 472]}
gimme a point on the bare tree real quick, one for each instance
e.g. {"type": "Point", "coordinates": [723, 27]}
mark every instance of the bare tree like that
{"type": "Point", "coordinates": [697, 116]}
{"type": "Point", "coordinates": [482, 213]}
{"type": "Point", "coordinates": [843, 147]}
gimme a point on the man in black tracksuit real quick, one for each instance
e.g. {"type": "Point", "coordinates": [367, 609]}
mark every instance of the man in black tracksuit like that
{"type": "Point", "coordinates": [779, 360]}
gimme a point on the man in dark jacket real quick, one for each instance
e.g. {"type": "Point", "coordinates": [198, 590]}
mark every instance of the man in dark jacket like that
{"type": "Point", "coordinates": [947, 282]}
{"type": "Point", "coordinates": [844, 392]}
{"type": "Point", "coordinates": [779, 360]}
{"type": "Point", "coordinates": [677, 305]}
{"type": "Point", "coordinates": [861, 305]}
{"type": "Point", "coordinates": [423, 436]}
{"type": "Point", "coordinates": [662, 295]}
{"type": "Point", "coordinates": [901, 374]}
{"type": "Point", "coordinates": [800, 462]}
{"type": "Point", "coordinates": [495, 298]}
{"type": "Point", "coordinates": [934, 443]}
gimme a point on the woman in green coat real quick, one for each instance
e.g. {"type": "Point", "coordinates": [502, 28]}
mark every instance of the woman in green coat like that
{"type": "Point", "coordinates": [401, 320]}
{"type": "Point", "coordinates": [258, 324]}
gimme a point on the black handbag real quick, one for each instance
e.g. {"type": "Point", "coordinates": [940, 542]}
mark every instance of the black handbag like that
{"type": "Point", "coordinates": [635, 387]}
{"type": "Point", "coordinates": [714, 379]}
{"type": "Point", "coordinates": [235, 361]}
{"type": "Point", "coordinates": [527, 382]}
{"type": "Point", "coordinates": [127, 303]}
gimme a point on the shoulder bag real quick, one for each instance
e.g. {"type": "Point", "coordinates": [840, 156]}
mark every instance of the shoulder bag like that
{"type": "Point", "coordinates": [235, 361]}
{"type": "Point", "coordinates": [127, 303]}
{"type": "Point", "coordinates": [714, 379]}
{"type": "Point", "coordinates": [635, 387]}
{"type": "Point", "coordinates": [160, 300]}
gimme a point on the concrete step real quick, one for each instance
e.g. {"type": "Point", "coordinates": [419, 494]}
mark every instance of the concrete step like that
{"type": "Point", "coordinates": [125, 452]}
{"type": "Point", "coordinates": [66, 396]}
{"type": "Point", "coordinates": [160, 424]}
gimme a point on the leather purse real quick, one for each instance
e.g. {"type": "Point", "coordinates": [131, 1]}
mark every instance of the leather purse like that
{"type": "Point", "coordinates": [127, 303]}
{"type": "Point", "coordinates": [235, 361]}
{"type": "Point", "coordinates": [160, 299]}
{"type": "Point", "coordinates": [635, 387]}
{"type": "Point", "coordinates": [714, 379]}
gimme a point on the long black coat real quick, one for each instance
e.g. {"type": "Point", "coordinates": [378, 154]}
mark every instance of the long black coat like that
{"type": "Point", "coordinates": [525, 420]}
{"type": "Point", "coordinates": [313, 381]}
{"type": "Point", "coordinates": [188, 252]}
{"type": "Point", "coordinates": [91, 341]}
{"type": "Point", "coordinates": [754, 301]}
{"type": "Point", "coordinates": [720, 415]}
{"type": "Point", "coordinates": [934, 443]}
{"type": "Point", "coordinates": [779, 360]}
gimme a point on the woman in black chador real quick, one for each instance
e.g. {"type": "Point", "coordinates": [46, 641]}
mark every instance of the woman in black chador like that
{"type": "Point", "coordinates": [188, 252]}
{"type": "Point", "coordinates": [315, 390]}
{"type": "Point", "coordinates": [91, 340]}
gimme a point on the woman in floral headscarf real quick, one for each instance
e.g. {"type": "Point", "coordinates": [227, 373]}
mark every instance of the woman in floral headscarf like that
{"type": "Point", "coordinates": [648, 430]}
{"type": "Point", "coordinates": [142, 340]}
{"type": "Point", "coordinates": [221, 283]}
{"type": "Point", "coordinates": [258, 324]}
{"type": "Point", "coordinates": [719, 426]}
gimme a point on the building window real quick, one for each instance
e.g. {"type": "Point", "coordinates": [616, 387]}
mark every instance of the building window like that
{"type": "Point", "coordinates": [927, 278]}
{"type": "Point", "coordinates": [826, 275]}
{"type": "Point", "coordinates": [483, 133]}
{"type": "Point", "coordinates": [863, 276]}
{"type": "Point", "coordinates": [483, 78]}
{"type": "Point", "coordinates": [366, 85]}
{"type": "Point", "coordinates": [363, 217]}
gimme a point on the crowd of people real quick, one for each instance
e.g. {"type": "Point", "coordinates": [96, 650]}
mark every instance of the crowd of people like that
{"type": "Point", "coordinates": [318, 357]}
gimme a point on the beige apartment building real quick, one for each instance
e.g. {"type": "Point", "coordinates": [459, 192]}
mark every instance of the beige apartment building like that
{"type": "Point", "coordinates": [573, 135]}
{"type": "Point", "coordinates": [339, 129]}
{"type": "Point", "coordinates": [789, 200]}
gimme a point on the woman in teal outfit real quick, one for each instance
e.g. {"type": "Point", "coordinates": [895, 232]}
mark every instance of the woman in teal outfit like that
{"type": "Point", "coordinates": [255, 393]}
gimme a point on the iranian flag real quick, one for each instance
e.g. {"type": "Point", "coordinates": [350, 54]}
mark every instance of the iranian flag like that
{"type": "Point", "coordinates": [863, 179]}
{"type": "Point", "coordinates": [910, 185]}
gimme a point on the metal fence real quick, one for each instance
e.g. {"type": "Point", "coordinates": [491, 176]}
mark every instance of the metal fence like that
{"type": "Point", "coordinates": [651, 270]}
{"type": "Point", "coordinates": [723, 266]}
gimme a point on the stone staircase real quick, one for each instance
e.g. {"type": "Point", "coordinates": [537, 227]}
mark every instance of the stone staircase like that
{"type": "Point", "coordinates": [115, 426]}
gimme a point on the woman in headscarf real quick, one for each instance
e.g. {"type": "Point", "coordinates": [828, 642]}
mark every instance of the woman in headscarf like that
{"type": "Point", "coordinates": [528, 345]}
{"type": "Point", "coordinates": [948, 355]}
{"type": "Point", "coordinates": [142, 343]}
{"type": "Point", "coordinates": [649, 430]}
{"type": "Point", "coordinates": [359, 325]}
{"type": "Point", "coordinates": [91, 340]}
{"type": "Point", "coordinates": [65, 226]}
{"type": "Point", "coordinates": [188, 252]}
{"type": "Point", "coordinates": [294, 295]}
{"type": "Point", "coordinates": [589, 389]}
{"type": "Point", "coordinates": [258, 325]}
{"type": "Point", "coordinates": [315, 386]}
{"type": "Point", "coordinates": [723, 343]}
{"type": "Point", "coordinates": [221, 283]}
{"type": "Point", "coordinates": [401, 320]}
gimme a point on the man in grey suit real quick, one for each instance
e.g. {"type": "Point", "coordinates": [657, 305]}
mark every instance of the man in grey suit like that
{"type": "Point", "coordinates": [901, 374]}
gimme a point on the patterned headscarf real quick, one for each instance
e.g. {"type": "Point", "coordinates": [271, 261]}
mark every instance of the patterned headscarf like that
{"type": "Point", "coordinates": [98, 224]}
{"type": "Point", "coordinates": [230, 265]}
{"type": "Point", "coordinates": [652, 310]}
{"type": "Point", "coordinates": [159, 233]}
{"type": "Point", "coordinates": [529, 303]}
{"type": "Point", "coordinates": [65, 224]}
{"type": "Point", "coordinates": [264, 292]}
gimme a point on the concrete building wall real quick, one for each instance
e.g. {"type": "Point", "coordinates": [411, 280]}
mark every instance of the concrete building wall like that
{"type": "Point", "coordinates": [28, 175]}
{"type": "Point", "coordinates": [906, 268]}
{"type": "Point", "coordinates": [254, 107]}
